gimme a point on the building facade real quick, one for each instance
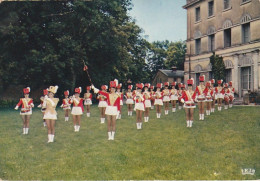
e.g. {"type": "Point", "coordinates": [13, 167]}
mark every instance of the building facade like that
{"type": "Point", "coordinates": [164, 75]}
{"type": "Point", "coordinates": [231, 29]}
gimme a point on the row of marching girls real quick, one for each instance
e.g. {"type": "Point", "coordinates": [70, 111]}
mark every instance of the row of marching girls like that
{"type": "Point", "coordinates": [206, 94]}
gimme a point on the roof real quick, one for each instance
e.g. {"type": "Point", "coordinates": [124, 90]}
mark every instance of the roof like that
{"type": "Point", "coordinates": [190, 3]}
{"type": "Point", "coordinates": [170, 73]}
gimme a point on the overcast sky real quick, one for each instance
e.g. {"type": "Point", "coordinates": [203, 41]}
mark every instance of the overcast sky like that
{"type": "Point", "coordinates": [161, 19]}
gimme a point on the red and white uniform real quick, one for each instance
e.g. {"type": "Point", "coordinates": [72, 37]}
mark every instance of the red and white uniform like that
{"type": "Point", "coordinates": [166, 95]}
{"type": "Point", "coordinates": [102, 101]}
{"type": "Point", "coordinates": [174, 94]}
{"type": "Point", "coordinates": [201, 91]}
{"type": "Point", "coordinates": [226, 95]}
{"type": "Point", "coordinates": [158, 98]}
{"type": "Point", "coordinates": [77, 108]}
{"type": "Point", "coordinates": [27, 105]}
{"type": "Point", "coordinates": [113, 101]}
{"type": "Point", "coordinates": [208, 94]}
{"type": "Point", "coordinates": [139, 102]}
{"type": "Point", "coordinates": [129, 98]}
{"type": "Point", "coordinates": [219, 92]}
{"type": "Point", "coordinates": [121, 98]}
{"type": "Point", "coordinates": [188, 98]}
{"type": "Point", "coordinates": [231, 93]}
{"type": "Point", "coordinates": [88, 99]}
{"type": "Point", "coordinates": [147, 99]}
{"type": "Point", "coordinates": [65, 104]}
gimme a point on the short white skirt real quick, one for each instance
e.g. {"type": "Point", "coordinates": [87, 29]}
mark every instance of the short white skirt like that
{"type": "Point", "coordinates": [66, 108]}
{"type": "Point", "coordinates": [219, 96]}
{"type": "Point", "coordinates": [139, 106]}
{"type": "Point", "coordinates": [26, 113]}
{"type": "Point", "coordinates": [189, 105]}
{"type": "Point", "coordinates": [102, 104]}
{"type": "Point", "coordinates": [208, 99]}
{"type": "Point", "coordinates": [48, 115]}
{"type": "Point", "coordinates": [76, 111]}
{"type": "Point", "coordinates": [201, 98]}
{"type": "Point", "coordinates": [129, 101]}
{"type": "Point", "coordinates": [121, 102]}
{"type": "Point", "coordinates": [158, 102]}
{"type": "Point", "coordinates": [174, 97]}
{"type": "Point", "coordinates": [87, 102]}
{"type": "Point", "coordinates": [147, 103]}
{"type": "Point", "coordinates": [166, 99]}
{"type": "Point", "coordinates": [111, 110]}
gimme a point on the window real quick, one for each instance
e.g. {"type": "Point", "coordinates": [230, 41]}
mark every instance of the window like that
{"type": "Point", "coordinates": [211, 8]}
{"type": "Point", "coordinates": [197, 79]}
{"type": "Point", "coordinates": [246, 33]}
{"type": "Point", "coordinates": [243, 1]}
{"type": "Point", "coordinates": [227, 37]}
{"type": "Point", "coordinates": [228, 75]}
{"type": "Point", "coordinates": [197, 14]}
{"type": "Point", "coordinates": [246, 78]}
{"type": "Point", "coordinates": [226, 4]}
{"type": "Point", "coordinates": [211, 42]}
{"type": "Point", "coordinates": [197, 46]}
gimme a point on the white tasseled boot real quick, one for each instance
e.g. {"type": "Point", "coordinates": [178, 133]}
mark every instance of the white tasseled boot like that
{"type": "Point", "coordinates": [44, 124]}
{"type": "Point", "coordinates": [191, 123]}
{"type": "Point", "coordinates": [209, 112]}
{"type": "Point", "coordinates": [226, 106]}
{"type": "Point", "coordinates": [179, 107]}
{"type": "Point", "coordinates": [188, 123]}
{"type": "Point", "coordinates": [140, 125]}
{"type": "Point", "coordinates": [147, 118]}
{"type": "Point", "coordinates": [202, 116]}
{"type": "Point", "coordinates": [49, 138]}
{"type": "Point", "coordinates": [230, 105]}
{"type": "Point", "coordinates": [52, 138]}
{"type": "Point", "coordinates": [75, 128]}
{"type": "Point", "coordinates": [159, 115]}
{"type": "Point", "coordinates": [113, 135]}
{"type": "Point", "coordinates": [24, 132]}
{"type": "Point", "coordinates": [109, 135]}
{"type": "Point", "coordinates": [78, 128]}
{"type": "Point", "coordinates": [137, 125]}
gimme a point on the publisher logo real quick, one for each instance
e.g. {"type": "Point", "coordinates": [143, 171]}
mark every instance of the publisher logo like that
{"type": "Point", "coordinates": [248, 171]}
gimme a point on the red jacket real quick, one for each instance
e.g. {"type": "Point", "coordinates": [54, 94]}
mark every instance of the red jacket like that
{"type": "Point", "coordinates": [110, 99]}
{"type": "Point", "coordinates": [188, 97]}
{"type": "Point", "coordinates": [200, 92]}
{"type": "Point", "coordinates": [80, 104]}
{"type": "Point", "coordinates": [23, 103]}
{"type": "Point", "coordinates": [221, 91]}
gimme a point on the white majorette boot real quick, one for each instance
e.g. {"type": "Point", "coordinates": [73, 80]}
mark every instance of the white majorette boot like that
{"type": "Point", "coordinates": [226, 106]}
{"type": "Point", "coordinates": [188, 123]}
{"type": "Point", "coordinates": [191, 123]}
{"type": "Point", "coordinates": [109, 135]}
{"type": "Point", "coordinates": [157, 115]}
{"type": "Point", "coordinates": [78, 128]}
{"type": "Point", "coordinates": [230, 105]}
{"type": "Point", "coordinates": [75, 128]}
{"type": "Point", "coordinates": [147, 119]}
{"type": "Point", "coordinates": [137, 125]}
{"type": "Point", "coordinates": [44, 124]}
{"type": "Point", "coordinates": [152, 107]}
{"type": "Point", "coordinates": [165, 112]}
{"type": "Point", "coordinates": [112, 135]}
{"type": "Point", "coordinates": [202, 116]}
{"type": "Point", "coordinates": [140, 125]}
{"type": "Point", "coordinates": [24, 132]}
{"type": "Point", "coordinates": [52, 138]}
{"type": "Point", "coordinates": [49, 138]}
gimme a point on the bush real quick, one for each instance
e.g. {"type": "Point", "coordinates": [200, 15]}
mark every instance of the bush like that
{"type": "Point", "coordinates": [7, 103]}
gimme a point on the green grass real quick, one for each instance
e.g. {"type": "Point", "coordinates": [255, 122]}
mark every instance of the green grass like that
{"type": "Point", "coordinates": [224, 143]}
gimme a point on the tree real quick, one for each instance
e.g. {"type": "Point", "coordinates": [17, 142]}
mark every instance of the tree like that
{"type": "Point", "coordinates": [218, 67]}
{"type": "Point", "coordinates": [176, 55]}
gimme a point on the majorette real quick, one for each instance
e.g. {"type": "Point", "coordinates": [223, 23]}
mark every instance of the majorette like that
{"type": "Point", "coordinates": [188, 98]}
{"type": "Point", "coordinates": [139, 106]}
{"type": "Point", "coordinates": [113, 108]}
{"type": "Point", "coordinates": [158, 100]}
{"type": "Point", "coordinates": [88, 100]}
{"type": "Point", "coordinates": [166, 97]}
{"type": "Point", "coordinates": [50, 114]}
{"type": "Point", "coordinates": [77, 109]}
{"type": "Point", "coordinates": [66, 105]}
{"type": "Point", "coordinates": [26, 110]}
{"type": "Point", "coordinates": [118, 91]}
{"type": "Point", "coordinates": [102, 104]}
{"type": "Point", "coordinates": [231, 94]}
{"type": "Point", "coordinates": [174, 96]}
{"type": "Point", "coordinates": [200, 93]}
{"type": "Point", "coordinates": [147, 101]}
{"type": "Point", "coordinates": [42, 105]}
{"type": "Point", "coordinates": [129, 100]}
{"type": "Point", "coordinates": [219, 94]}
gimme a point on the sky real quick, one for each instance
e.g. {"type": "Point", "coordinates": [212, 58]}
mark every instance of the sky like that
{"type": "Point", "coordinates": [161, 19]}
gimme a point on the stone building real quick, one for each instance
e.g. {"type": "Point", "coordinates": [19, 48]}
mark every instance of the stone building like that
{"type": "Point", "coordinates": [164, 75]}
{"type": "Point", "coordinates": [231, 29]}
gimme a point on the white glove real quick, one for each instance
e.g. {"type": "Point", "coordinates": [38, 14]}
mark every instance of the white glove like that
{"type": "Point", "coordinates": [61, 105]}
{"type": "Point", "coordinates": [39, 106]}
{"type": "Point", "coordinates": [32, 105]}
{"type": "Point", "coordinates": [182, 100]}
{"type": "Point", "coordinates": [95, 90]}
{"type": "Point", "coordinates": [16, 107]}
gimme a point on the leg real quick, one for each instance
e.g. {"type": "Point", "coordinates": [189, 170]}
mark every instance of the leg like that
{"type": "Point", "coordinates": [191, 116]}
{"type": "Point", "coordinates": [187, 116]}
{"type": "Point", "coordinates": [113, 127]}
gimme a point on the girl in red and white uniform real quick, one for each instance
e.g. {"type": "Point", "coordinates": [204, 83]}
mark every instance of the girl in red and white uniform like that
{"type": "Point", "coordinates": [102, 104]}
{"type": "Point", "coordinates": [139, 106]}
{"type": "Point", "coordinates": [188, 98]}
{"type": "Point", "coordinates": [118, 91]}
{"type": "Point", "coordinates": [166, 97]}
{"type": "Point", "coordinates": [226, 95]}
{"type": "Point", "coordinates": [180, 94]}
{"type": "Point", "coordinates": [88, 100]}
{"type": "Point", "coordinates": [77, 109]}
{"type": "Point", "coordinates": [147, 101]}
{"type": "Point", "coordinates": [201, 96]}
{"type": "Point", "coordinates": [158, 103]}
{"type": "Point", "coordinates": [113, 108]}
{"type": "Point", "coordinates": [231, 94]}
{"type": "Point", "coordinates": [66, 105]}
{"type": "Point", "coordinates": [174, 96]}
{"type": "Point", "coordinates": [212, 89]}
{"type": "Point", "coordinates": [208, 100]}
{"type": "Point", "coordinates": [129, 100]}
{"type": "Point", "coordinates": [43, 105]}
{"type": "Point", "coordinates": [219, 94]}
{"type": "Point", "coordinates": [50, 114]}
{"type": "Point", "coordinates": [26, 110]}
{"type": "Point", "coordinates": [152, 96]}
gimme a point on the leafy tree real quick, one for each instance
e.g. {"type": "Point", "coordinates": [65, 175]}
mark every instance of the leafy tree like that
{"type": "Point", "coordinates": [176, 55]}
{"type": "Point", "coordinates": [218, 67]}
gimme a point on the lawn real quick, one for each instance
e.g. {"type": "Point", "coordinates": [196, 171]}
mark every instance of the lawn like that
{"type": "Point", "coordinates": [217, 148]}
